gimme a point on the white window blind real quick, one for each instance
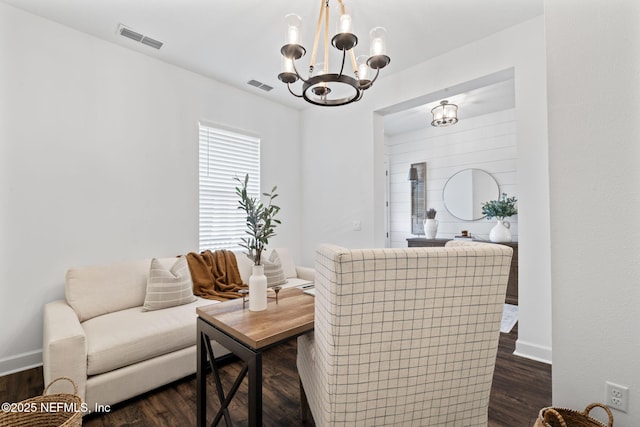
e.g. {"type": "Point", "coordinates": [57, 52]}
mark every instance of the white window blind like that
{"type": "Point", "coordinates": [225, 155]}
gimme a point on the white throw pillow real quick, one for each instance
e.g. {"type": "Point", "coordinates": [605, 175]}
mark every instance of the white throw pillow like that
{"type": "Point", "coordinates": [281, 256]}
{"type": "Point", "coordinates": [274, 273]}
{"type": "Point", "coordinates": [168, 288]}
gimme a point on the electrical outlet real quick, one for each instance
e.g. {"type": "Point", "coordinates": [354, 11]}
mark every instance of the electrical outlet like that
{"type": "Point", "coordinates": [617, 396]}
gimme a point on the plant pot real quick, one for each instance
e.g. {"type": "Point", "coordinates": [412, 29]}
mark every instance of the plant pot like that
{"type": "Point", "coordinates": [257, 289]}
{"type": "Point", "coordinates": [500, 232]}
{"type": "Point", "coordinates": [430, 228]}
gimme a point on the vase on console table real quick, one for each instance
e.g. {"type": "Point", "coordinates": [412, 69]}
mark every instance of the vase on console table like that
{"type": "Point", "coordinates": [500, 232]}
{"type": "Point", "coordinates": [258, 289]}
{"type": "Point", "coordinates": [500, 209]}
{"type": "Point", "coordinates": [430, 228]}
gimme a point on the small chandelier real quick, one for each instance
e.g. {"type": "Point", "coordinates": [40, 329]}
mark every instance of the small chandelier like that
{"type": "Point", "coordinates": [332, 89]}
{"type": "Point", "coordinates": [444, 114]}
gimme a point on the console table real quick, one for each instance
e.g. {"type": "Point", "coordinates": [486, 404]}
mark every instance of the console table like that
{"type": "Point", "coordinates": [512, 284]}
{"type": "Point", "coordinates": [247, 334]}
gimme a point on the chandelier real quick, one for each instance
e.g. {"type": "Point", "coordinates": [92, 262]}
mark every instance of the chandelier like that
{"type": "Point", "coordinates": [322, 87]}
{"type": "Point", "coordinates": [444, 114]}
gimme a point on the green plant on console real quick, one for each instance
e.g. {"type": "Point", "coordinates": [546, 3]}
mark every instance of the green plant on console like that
{"type": "Point", "coordinates": [431, 214]}
{"type": "Point", "coordinates": [501, 209]}
{"type": "Point", "coordinates": [261, 220]}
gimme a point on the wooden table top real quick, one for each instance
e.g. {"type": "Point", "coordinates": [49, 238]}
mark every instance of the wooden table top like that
{"type": "Point", "coordinates": [293, 315]}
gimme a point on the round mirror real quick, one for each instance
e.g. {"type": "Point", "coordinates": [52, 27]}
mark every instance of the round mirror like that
{"type": "Point", "coordinates": [466, 191]}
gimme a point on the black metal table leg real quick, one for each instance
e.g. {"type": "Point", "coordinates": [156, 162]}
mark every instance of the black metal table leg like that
{"type": "Point", "coordinates": [201, 381]}
{"type": "Point", "coordinates": [224, 402]}
{"type": "Point", "coordinates": [252, 367]}
{"type": "Point", "coordinates": [255, 390]}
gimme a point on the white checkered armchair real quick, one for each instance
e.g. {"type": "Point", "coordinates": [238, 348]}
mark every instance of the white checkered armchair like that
{"type": "Point", "coordinates": [404, 337]}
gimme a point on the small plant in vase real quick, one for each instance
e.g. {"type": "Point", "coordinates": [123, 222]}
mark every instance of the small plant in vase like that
{"type": "Point", "coordinates": [261, 223]}
{"type": "Point", "coordinates": [500, 209]}
{"type": "Point", "coordinates": [431, 224]}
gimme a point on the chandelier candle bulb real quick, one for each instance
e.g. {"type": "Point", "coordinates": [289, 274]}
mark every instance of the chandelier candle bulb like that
{"type": "Point", "coordinates": [376, 47]}
{"type": "Point", "coordinates": [293, 35]}
{"type": "Point", "coordinates": [287, 65]}
{"type": "Point", "coordinates": [294, 23]}
{"type": "Point", "coordinates": [378, 37]}
{"type": "Point", "coordinates": [345, 24]}
{"type": "Point", "coordinates": [288, 74]}
{"type": "Point", "coordinates": [363, 70]}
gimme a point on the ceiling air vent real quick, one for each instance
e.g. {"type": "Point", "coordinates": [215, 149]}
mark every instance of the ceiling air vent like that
{"type": "Point", "coordinates": [141, 38]}
{"type": "Point", "coordinates": [259, 85]}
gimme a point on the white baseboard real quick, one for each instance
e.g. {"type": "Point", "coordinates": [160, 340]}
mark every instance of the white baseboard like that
{"type": "Point", "coordinates": [533, 351]}
{"type": "Point", "coordinates": [20, 362]}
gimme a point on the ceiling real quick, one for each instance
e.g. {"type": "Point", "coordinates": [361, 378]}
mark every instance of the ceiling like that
{"type": "Point", "coordinates": [235, 41]}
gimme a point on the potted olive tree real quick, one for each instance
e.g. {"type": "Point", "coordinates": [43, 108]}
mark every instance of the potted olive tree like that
{"type": "Point", "coordinates": [261, 223]}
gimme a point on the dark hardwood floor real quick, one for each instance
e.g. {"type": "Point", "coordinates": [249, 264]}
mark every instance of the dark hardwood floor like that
{"type": "Point", "coordinates": [520, 388]}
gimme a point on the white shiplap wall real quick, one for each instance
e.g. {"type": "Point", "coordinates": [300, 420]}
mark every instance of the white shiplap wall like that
{"type": "Point", "coordinates": [485, 142]}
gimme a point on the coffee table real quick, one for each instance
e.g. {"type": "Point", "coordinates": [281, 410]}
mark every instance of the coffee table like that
{"type": "Point", "coordinates": [247, 334]}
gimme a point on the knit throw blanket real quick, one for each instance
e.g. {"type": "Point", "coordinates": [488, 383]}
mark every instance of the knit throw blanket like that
{"type": "Point", "coordinates": [215, 275]}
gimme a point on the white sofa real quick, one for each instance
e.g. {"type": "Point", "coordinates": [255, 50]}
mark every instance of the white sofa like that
{"type": "Point", "coordinates": [100, 336]}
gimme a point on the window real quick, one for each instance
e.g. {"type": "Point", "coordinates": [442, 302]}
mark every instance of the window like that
{"type": "Point", "coordinates": [225, 155]}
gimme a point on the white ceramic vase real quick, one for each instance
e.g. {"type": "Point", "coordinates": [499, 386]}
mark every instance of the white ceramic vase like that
{"type": "Point", "coordinates": [500, 232]}
{"type": "Point", "coordinates": [430, 228]}
{"type": "Point", "coordinates": [257, 289]}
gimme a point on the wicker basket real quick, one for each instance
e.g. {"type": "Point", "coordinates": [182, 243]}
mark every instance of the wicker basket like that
{"type": "Point", "coordinates": [563, 417]}
{"type": "Point", "coordinates": [48, 410]}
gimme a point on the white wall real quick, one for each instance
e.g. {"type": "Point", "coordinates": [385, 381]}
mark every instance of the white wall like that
{"type": "Point", "coordinates": [337, 172]}
{"type": "Point", "coordinates": [99, 152]}
{"type": "Point", "coordinates": [594, 148]}
{"type": "Point", "coordinates": [343, 162]}
{"type": "Point", "coordinates": [487, 142]}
